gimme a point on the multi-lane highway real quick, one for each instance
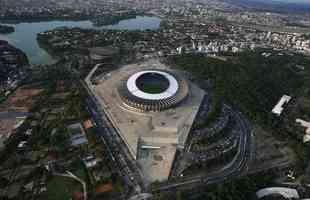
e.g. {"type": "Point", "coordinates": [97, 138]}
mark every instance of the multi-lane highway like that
{"type": "Point", "coordinates": [119, 154]}
{"type": "Point", "coordinates": [128, 166]}
{"type": "Point", "coordinates": [235, 168]}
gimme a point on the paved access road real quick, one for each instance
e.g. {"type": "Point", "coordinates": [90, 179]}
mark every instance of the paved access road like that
{"type": "Point", "coordinates": [128, 166]}
{"type": "Point", "coordinates": [119, 154]}
{"type": "Point", "coordinates": [240, 162]}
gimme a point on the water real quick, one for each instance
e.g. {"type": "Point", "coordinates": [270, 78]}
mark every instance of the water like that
{"type": "Point", "coordinates": [25, 34]}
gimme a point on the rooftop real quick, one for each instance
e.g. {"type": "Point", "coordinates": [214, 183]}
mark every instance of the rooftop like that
{"type": "Point", "coordinates": [278, 109]}
{"type": "Point", "coordinates": [135, 88]}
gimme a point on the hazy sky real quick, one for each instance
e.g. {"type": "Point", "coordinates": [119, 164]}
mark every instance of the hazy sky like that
{"type": "Point", "coordinates": [291, 1]}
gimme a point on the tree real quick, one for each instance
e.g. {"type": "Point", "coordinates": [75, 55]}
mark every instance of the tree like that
{"type": "Point", "coordinates": [179, 195]}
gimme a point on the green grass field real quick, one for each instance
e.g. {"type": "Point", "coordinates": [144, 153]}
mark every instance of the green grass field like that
{"type": "Point", "coordinates": [153, 88]}
{"type": "Point", "coordinates": [62, 188]}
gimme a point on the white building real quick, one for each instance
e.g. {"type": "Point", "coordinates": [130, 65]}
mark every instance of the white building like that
{"type": "Point", "coordinates": [278, 109]}
{"type": "Point", "coordinates": [305, 124]}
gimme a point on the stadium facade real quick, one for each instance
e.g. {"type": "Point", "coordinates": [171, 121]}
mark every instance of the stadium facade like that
{"type": "Point", "coordinates": [153, 108]}
{"type": "Point", "coordinates": [153, 90]}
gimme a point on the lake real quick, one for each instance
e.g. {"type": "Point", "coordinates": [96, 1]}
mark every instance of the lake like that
{"type": "Point", "coordinates": [25, 34]}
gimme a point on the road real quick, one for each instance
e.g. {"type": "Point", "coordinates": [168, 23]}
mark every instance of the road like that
{"type": "Point", "coordinates": [239, 163]}
{"type": "Point", "coordinates": [109, 136]}
{"type": "Point", "coordinates": [13, 115]}
{"type": "Point", "coordinates": [128, 167]}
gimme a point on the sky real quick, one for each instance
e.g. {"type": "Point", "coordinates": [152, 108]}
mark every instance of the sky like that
{"type": "Point", "coordinates": [290, 1]}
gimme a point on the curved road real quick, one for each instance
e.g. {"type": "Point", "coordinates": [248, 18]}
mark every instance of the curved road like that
{"type": "Point", "coordinates": [239, 163]}
{"type": "Point", "coordinates": [130, 170]}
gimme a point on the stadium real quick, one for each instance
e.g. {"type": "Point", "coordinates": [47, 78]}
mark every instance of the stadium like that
{"type": "Point", "coordinates": [152, 107]}
{"type": "Point", "coordinates": [153, 90]}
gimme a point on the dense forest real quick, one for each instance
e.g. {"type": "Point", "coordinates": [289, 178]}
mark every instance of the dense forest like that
{"type": "Point", "coordinates": [250, 82]}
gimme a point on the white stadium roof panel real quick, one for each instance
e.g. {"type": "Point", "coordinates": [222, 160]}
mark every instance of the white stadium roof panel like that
{"type": "Point", "coordinates": [169, 92]}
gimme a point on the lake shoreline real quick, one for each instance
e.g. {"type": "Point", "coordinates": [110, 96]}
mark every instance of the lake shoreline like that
{"type": "Point", "coordinates": [62, 19]}
{"type": "Point", "coordinates": [25, 35]}
{"type": "Point", "coordinates": [5, 29]}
